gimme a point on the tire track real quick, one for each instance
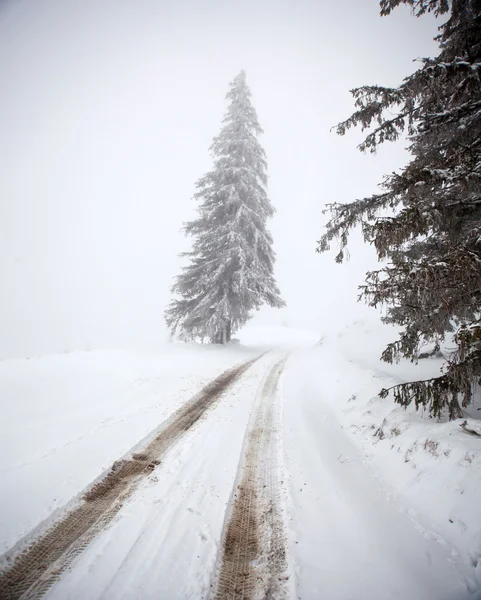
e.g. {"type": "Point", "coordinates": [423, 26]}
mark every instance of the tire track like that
{"type": "Point", "coordinates": [253, 562]}
{"type": "Point", "coordinates": [32, 572]}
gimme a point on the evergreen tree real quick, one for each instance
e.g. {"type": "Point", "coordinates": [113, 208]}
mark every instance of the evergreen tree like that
{"type": "Point", "coordinates": [431, 283]}
{"type": "Point", "coordinates": [231, 263]}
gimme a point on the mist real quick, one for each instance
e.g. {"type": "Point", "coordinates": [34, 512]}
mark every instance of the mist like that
{"type": "Point", "coordinates": [107, 112]}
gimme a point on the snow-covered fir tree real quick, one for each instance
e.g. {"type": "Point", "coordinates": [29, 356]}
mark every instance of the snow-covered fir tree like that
{"type": "Point", "coordinates": [230, 269]}
{"type": "Point", "coordinates": [431, 283]}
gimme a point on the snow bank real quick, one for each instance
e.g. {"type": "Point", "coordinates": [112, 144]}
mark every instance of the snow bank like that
{"type": "Point", "coordinates": [431, 469]}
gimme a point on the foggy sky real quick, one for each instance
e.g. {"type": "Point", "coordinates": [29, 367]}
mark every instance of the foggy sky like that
{"type": "Point", "coordinates": [107, 111]}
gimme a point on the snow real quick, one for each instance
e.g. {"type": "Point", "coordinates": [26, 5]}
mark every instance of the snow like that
{"type": "Point", "coordinates": [67, 418]}
{"type": "Point", "coordinates": [277, 336]}
{"type": "Point", "coordinates": [381, 501]}
{"type": "Point", "coordinates": [165, 541]}
{"type": "Point", "coordinates": [429, 471]}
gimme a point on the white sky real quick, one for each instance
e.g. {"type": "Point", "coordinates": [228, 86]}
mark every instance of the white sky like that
{"type": "Point", "coordinates": [107, 111]}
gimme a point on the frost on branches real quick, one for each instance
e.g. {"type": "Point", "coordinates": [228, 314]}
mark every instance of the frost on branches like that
{"type": "Point", "coordinates": [230, 272]}
{"type": "Point", "coordinates": [432, 246]}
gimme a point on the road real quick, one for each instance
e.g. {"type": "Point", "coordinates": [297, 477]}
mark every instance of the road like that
{"type": "Point", "coordinates": [251, 490]}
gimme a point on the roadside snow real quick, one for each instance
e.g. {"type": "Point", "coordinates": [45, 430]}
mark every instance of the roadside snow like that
{"type": "Point", "coordinates": [357, 447]}
{"type": "Point", "coordinates": [67, 418]}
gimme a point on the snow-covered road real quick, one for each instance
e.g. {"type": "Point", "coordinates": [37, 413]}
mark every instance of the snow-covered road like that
{"type": "Point", "coordinates": [166, 539]}
{"type": "Point", "coordinates": [342, 531]}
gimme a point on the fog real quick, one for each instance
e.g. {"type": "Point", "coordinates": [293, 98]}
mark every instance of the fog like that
{"type": "Point", "coordinates": [107, 111]}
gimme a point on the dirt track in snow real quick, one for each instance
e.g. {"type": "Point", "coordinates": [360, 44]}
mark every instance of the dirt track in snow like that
{"type": "Point", "coordinates": [253, 561]}
{"type": "Point", "coordinates": [31, 573]}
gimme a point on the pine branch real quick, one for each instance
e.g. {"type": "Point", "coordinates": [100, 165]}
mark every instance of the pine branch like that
{"type": "Point", "coordinates": [432, 237]}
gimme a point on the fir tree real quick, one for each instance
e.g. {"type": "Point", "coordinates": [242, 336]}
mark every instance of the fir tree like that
{"type": "Point", "coordinates": [431, 283]}
{"type": "Point", "coordinates": [230, 272]}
